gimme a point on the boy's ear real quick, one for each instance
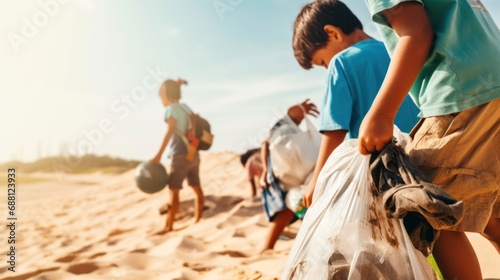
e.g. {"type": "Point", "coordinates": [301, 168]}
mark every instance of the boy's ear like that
{"type": "Point", "coordinates": [334, 33]}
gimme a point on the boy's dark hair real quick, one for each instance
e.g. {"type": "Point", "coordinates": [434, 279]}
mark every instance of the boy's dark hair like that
{"type": "Point", "coordinates": [308, 33]}
{"type": "Point", "coordinates": [244, 157]}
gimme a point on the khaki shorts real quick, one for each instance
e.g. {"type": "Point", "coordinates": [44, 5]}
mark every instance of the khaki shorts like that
{"type": "Point", "coordinates": [181, 169]}
{"type": "Point", "coordinates": [461, 154]}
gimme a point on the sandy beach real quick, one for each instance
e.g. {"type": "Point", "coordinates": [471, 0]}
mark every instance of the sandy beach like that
{"type": "Point", "coordinates": [101, 226]}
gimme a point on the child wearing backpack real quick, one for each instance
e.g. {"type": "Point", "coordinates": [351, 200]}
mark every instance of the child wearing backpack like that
{"type": "Point", "coordinates": [185, 160]}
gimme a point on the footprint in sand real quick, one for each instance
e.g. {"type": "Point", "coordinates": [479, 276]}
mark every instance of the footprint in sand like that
{"type": "Point", "coordinates": [118, 232]}
{"type": "Point", "coordinates": [189, 243]}
{"type": "Point", "coordinates": [61, 214]}
{"type": "Point", "coordinates": [84, 249]}
{"type": "Point", "coordinates": [266, 255]}
{"type": "Point", "coordinates": [66, 243]}
{"type": "Point", "coordinates": [82, 268]}
{"type": "Point", "coordinates": [198, 267]}
{"type": "Point", "coordinates": [97, 255]}
{"type": "Point", "coordinates": [239, 233]}
{"type": "Point", "coordinates": [113, 242]}
{"type": "Point", "coordinates": [239, 216]}
{"type": "Point", "coordinates": [66, 259]}
{"type": "Point", "coordinates": [143, 251]}
{"type": "Point", "coordinates": [232, 254]}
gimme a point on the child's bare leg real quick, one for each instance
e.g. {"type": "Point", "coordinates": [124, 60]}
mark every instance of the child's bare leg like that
{"type": "Point", "coordinates": [253, 183]}
{"type": "Point", "coordinates": [455, 256]}
{"type": "Point", "coordinates": [198, 203]}
{"type": "Point", "coordinates": [492, 232]}
{"type": "Point", "coordinates": [276, 227]}
{"type": "Point", "coordinates": [174, 206]}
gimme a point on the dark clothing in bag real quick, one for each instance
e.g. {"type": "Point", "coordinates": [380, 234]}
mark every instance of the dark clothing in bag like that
{"type": "Point", "coordinates": [424, 207]}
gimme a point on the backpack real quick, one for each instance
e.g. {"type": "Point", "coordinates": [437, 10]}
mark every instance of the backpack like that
{"type": "Point", "coordinates": [198, 134]}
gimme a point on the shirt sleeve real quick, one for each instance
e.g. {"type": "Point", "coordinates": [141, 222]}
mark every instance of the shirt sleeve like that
{"type": "Point", "coordinates": [337, 102]}
{"type": "Point", "coordinates": [177, 114]}
{"type": "Point", "coordinates": [376, 7]}
{"type": "Point", "coordinates": [169, 112]}
{"type": "Point", "coordinates": [173, 111]}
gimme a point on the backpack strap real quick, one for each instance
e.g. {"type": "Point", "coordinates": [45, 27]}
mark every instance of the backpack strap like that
{"type": "Point", "coordinates": [190, 149]}
{"type": "Point", "coordinates": [192, 139]}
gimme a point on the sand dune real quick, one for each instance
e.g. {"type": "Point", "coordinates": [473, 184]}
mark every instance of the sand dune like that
{"type": "Point", "coordinates": [101, 227]}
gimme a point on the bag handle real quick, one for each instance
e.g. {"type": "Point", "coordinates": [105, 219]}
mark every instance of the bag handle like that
{"type": "Point", "coordinates": [309, 124]}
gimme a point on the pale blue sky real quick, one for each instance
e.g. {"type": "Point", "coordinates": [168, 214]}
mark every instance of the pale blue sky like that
{"type": "Point", "coordinates": [68, 67]}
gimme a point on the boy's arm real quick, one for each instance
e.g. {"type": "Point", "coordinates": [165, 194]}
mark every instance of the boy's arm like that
{"type": "Point", "coordinates": [330, 141]}
{"type": "Point", "coordinates": [254, 187]}
{"type": "Point", "coordinates": [250, 174]}
{"type": "Point", "coordinates": [410, 21]}
{"type": "Point", "coordinates": [264, 153]}
{"type": "Point", "coordinates": [170, 131]}
{"type": "Point", "coordinates": [298, 112]}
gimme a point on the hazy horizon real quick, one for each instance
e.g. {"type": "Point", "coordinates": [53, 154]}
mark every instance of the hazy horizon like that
{"type": "Point", "coordinates": [83, 75]}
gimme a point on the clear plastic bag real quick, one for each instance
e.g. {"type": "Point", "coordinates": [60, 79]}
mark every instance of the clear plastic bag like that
{"type": "Point", "coordinates": [347, 234]}
{"type": "Point", "coordinates": [294, 152]}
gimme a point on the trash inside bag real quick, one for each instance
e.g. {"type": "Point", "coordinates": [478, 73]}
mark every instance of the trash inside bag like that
{"type": "Point", "coordinates": [347, 233]}
{"type": "Point", "coordinates": [406, 194]}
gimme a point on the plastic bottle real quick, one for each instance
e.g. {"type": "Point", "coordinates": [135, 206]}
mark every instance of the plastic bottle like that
{"type": "Point", "coordinates": [300, 211]}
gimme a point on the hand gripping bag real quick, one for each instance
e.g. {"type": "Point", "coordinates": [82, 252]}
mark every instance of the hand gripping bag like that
{"type": "Point", "coordinates": [347, 233]}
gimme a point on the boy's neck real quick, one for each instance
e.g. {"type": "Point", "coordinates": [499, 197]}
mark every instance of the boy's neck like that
{"type": "Point", "coordinates": [357, 36]}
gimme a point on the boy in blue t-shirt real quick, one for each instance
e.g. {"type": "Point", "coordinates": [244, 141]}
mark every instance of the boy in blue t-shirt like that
{"type": "Point", "coordinates": [328, 34]}
{"type": "Point", "coordinates": [447, 54]}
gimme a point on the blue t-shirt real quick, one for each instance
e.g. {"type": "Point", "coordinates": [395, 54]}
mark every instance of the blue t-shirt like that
{"type": "Point", "coordinates": [354, 79]}
{"type": "Point", "coordinates": [180, 113]}
{"type": "Point", "coordinates": [462, 69]}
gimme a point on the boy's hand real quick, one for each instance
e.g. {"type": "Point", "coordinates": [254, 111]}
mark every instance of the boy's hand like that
{"type": "Point", "coordinates": [308, 194]}
{"type": "Point", "coordinates": [156, 159]}
{"type": "Point", "coordinates": [298, 112]}
{"type": "Point", "coordinates": [263, 180]}
{"type": "Point", "coordinates": [309, 108]}
{"type": "Point", "coordinates": [374, 133]}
